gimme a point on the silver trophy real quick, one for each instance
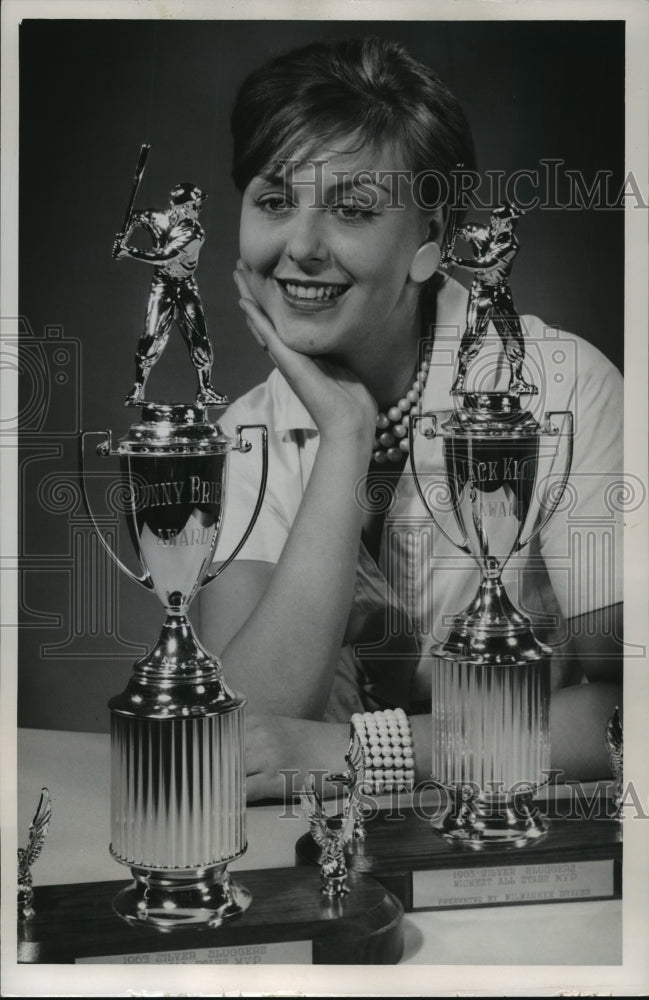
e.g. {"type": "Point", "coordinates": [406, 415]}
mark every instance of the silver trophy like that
{"type": "Point", "coordinates": [504, 475]}
{"type": "Point", "coordinates": [178, 811]}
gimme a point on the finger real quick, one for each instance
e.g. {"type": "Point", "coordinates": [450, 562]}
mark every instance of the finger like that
{"type": "Point", "coordinates": [264, 786]}
{"type": "Point", "coordinates": [297, 368]}
{"type": "Point", "coordinates": [263, 326]}
{"type": "Point", "coordinates": [258, 323]}
{"type": "Point", "coordinates": [253, 329]}
{"type": "Point", "coordinates": [282, 355]}
{"type": "Point", "coordinates": [243, 288]}
{"type": "Point", "coordinates": [256, 753]}
{"type": "Point", "coordinates": [255, 788]}
{"type": "Point", "coordinates": [255, 765]}
{"type": "Point", "coordinates": [255, 332]}
{"type": "Point", "coordinates": [241, 283]}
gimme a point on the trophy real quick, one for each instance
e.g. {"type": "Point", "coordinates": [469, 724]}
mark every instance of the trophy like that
{"type": "Point", "coordinates": [615, 748]}
{"type": "Point", "coordinates": [503, 476]}
{"type": "Point", "coordinates": [330, 834]}
{"type": "Point", "coordinates": [28, 855]}
{"type": "Point", "coordinates": [177, 731]}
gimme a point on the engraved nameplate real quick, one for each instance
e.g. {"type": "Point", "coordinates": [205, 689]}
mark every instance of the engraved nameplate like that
{"type": "Point", "coordinates": [555, 882]}
{"type": "Point", "coordinates": [273, 953]}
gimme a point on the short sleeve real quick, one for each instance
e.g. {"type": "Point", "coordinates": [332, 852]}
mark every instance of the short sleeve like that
{"type": "Point", "coordinates": [244, 473]}
{"type": "Point", "coordinates": [581, 544]}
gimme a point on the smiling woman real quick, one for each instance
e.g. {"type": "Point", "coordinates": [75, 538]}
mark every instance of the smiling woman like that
{"type": "Point", "coordinates": [341, 152]}
{"type": "Point", "coordinates": [334, 278]}
{"type": "Point", "coordinates": [322, 138]}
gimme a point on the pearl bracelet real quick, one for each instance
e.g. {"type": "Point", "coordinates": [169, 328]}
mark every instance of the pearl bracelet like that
{"type": "Point", "coordinates": [388, 754]}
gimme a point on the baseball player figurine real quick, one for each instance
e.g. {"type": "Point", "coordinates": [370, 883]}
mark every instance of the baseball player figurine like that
{"type": "Point", "coordinates": [494, 247]}
{"type": "Point", "coordinates": [177, 240]}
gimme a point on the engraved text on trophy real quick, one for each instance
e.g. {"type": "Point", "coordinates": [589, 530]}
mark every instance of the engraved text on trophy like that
{"type": "Point", "coordinates": [492, 492]}
{"type": "Point", "coordinates": [175, 518]}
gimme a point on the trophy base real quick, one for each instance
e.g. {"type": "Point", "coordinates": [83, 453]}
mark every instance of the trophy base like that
{"type": "Point", "coordinates": [165, 901]}
{"type": "Point", "coordinates": [291, 922]}
{"type": "Point", "coordinates": [579, 859]}
{"type": "Point", "coordinates": [485, 823]}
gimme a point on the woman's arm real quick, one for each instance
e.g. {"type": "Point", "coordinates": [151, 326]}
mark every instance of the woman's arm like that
{"type": "Point", "coordinates": [578, 720]}
{"type": "Point", "coordinates": [281, 750]}
{"type": "Point", "coordinates": [285, 654]}
{"type": "Point", "coordinates": [580, 713]}
{"type": "Point", "coordinates": [289, 620]}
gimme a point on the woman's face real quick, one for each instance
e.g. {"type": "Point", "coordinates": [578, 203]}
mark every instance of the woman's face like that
{"type": "Point", "coordinates": [327, 259]}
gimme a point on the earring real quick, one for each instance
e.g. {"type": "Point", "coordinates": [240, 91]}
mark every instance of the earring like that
{"type": "Point", "coordinates": [425, 262]}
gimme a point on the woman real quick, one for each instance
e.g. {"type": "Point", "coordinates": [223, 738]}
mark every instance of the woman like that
{"type": "Point", "coordinates": [341, 153]}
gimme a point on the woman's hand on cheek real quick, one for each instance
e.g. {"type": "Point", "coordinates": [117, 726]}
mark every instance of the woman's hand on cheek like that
{"type": "Point", "coordinates": [339, 403]}
{"type": "Point", "coordinates": [281, 750]}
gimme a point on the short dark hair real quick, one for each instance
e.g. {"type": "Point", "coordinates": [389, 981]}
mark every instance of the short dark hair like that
{"type": "Point", "coordinates": [369, 87]}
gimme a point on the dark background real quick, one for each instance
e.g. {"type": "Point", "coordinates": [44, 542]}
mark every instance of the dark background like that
{"type": "Point", "coordinates": [90, 93]}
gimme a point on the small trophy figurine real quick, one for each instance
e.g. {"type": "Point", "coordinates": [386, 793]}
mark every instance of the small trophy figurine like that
{"type": "Point", "coordinates": [495, 246]}
{"type": "Point", "coordinates": [177, 240]}
{"type": "Point", "coordinates": [333, 833]}
{"type": "Point", "coordinates": [330, 833]}
{"type": "Point", "coordinates": [28, 855]}
{"type": "Point", "coordinates": [353, 781]}
{"type": "Point", "coordinates": [504, 475]}
{"type": "Point", "coordinates": [615, 747]}
{"type": "Point", "coordinates": [178, 809]}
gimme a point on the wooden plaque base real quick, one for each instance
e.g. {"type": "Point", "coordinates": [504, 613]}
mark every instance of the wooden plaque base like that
{"type": "Point", "coordinates": [289, 921]}
{"type": "Point", "coordinates": [580, 858]}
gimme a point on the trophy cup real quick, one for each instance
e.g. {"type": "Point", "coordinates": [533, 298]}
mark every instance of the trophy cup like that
{"type": "Point", "coordinates": [177, 731]}
{"type": "Point", "coordinates": [504, 475]}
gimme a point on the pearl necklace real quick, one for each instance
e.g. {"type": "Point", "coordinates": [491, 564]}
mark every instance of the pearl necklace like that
{"type": "Point", "coordinates": [392, 442]}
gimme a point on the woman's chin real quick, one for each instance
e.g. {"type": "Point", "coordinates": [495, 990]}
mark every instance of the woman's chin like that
{"type": "Point", "coordinates": [304, 343]}
{"type": "Point", "coordinates": [302, 334]}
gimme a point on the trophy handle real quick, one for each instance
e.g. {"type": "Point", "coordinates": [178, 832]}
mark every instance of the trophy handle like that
{"type": "Point", "coordinates": [105, 449]}
{"type": "Point", "coordinates": [244, 447]}
{"type": "Point", "coordinates": [557, 491]}
{"type": "Point", "coordinates": [430, 433]}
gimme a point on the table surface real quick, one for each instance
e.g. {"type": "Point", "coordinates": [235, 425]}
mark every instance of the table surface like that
{"type": "Point", "coordinates": [75, 767]}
